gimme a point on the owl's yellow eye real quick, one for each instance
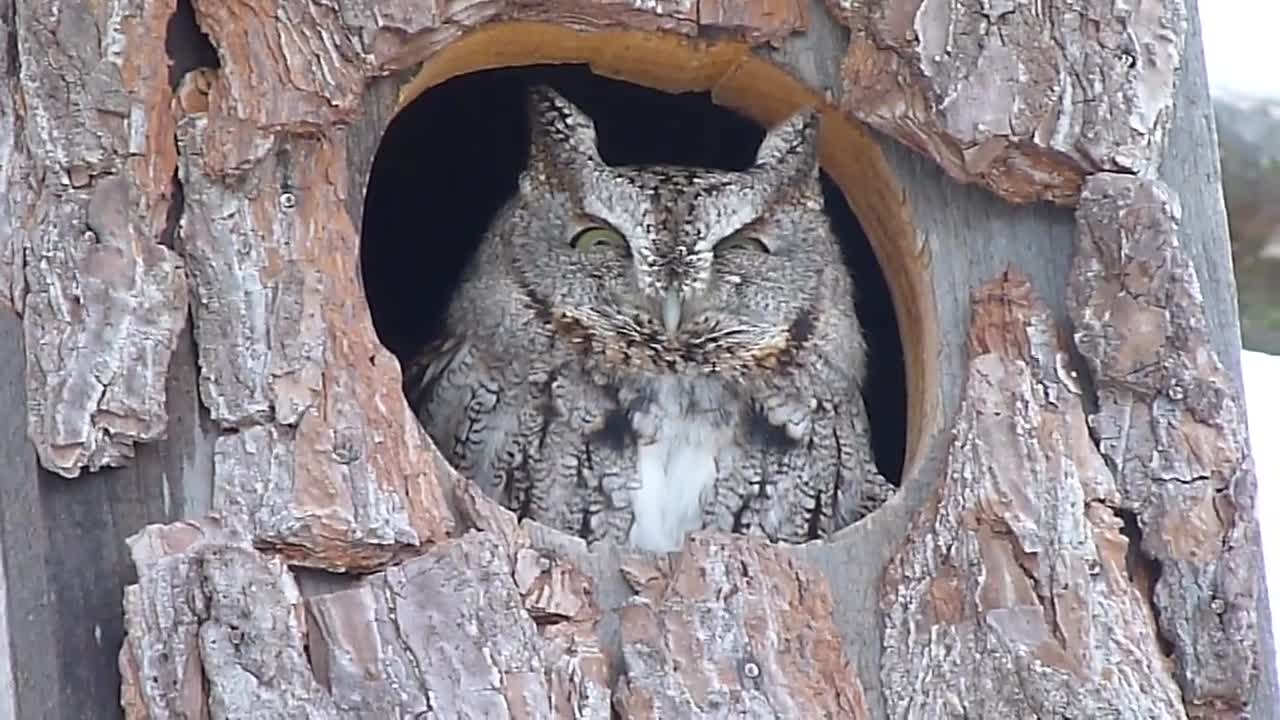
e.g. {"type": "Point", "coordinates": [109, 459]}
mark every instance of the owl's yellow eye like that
{"type": "Point", "coordinates": [741, 242]}
{"type": "Point", "coordinates": [600, 238]}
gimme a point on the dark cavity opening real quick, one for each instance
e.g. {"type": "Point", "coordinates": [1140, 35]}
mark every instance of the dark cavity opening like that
{"type": "Point", "coordinates": [450, 159]}
{"type": "Point", "coordinates": [187, 45]}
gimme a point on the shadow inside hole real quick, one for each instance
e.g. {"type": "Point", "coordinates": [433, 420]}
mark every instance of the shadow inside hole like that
{"type": "Point", "coordinates": [449, 161]}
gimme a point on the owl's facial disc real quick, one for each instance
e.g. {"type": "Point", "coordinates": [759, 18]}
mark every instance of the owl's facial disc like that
{"type": "Point", "coordinates": [669, 266]}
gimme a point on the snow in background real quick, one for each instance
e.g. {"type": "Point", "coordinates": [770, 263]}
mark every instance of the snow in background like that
{"type": "Point", "coordinates": [1240, 46]}
{"type": "Point", "coordinates": [1242, 58]}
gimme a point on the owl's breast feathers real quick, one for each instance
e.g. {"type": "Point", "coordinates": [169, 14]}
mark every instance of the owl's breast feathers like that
{"type": "Point", "coordinates": [727, 352]}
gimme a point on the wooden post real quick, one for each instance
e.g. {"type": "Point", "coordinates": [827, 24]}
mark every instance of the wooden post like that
{"type": "Point", "coordinates": [208, 448]}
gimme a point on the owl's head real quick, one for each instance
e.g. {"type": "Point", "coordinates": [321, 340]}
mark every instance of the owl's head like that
{"type": "Point", "coordinates": [677, 268]}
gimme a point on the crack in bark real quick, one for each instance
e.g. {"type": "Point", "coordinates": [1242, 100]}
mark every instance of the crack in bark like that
{"type": "Point", "coordinates": [1167, 423]}
{"type": "Point", "coordinates": [1003, 589]}
{"type": "Point", "coordinates": [187, 45]}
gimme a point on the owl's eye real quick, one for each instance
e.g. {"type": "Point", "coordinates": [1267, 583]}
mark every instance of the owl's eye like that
{"type": "Point", "coordinates": [741, 242]}
{"type": "Point", "coordinates": [600, 238]}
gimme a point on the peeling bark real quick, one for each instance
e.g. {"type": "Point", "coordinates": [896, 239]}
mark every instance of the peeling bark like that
{"type": "Point", "coordinates": [1011, 598]}
{"type": "Point", "coordinates": [733, 627]}
{"type": "Point", "coordinates": [1026, 99]}
{"type": "Point", "coordinates": [88, 181]}
{"type": "Point", "coordinates": [104, 306]}
{"type": "Point", "coordinates": [320, 457]}
{"type": "Point", "coordinates": [396, 35]}
{"type": "Point", "coordinates": [216, 630]}
{"type": "Point", "coordinates": [461, 631]}
{"type": "Point", "coordinates": [1170, 424]}
{"type": "Point", "coordinates": [1011, 594]}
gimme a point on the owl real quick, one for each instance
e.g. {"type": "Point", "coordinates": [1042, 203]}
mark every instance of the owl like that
{"type": "Point", "coordinates": [638, 352]}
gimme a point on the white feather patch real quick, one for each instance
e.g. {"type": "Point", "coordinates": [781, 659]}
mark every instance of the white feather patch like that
{"type": "Point", "coordinates": [677, 471]}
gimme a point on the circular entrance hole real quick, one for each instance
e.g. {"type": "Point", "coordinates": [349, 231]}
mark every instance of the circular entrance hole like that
{"type": "Point", "coordinates": [451, 158]}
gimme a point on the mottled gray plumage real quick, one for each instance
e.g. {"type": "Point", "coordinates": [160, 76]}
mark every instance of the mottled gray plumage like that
{"type": "Point", "coordinates": [693, 361]}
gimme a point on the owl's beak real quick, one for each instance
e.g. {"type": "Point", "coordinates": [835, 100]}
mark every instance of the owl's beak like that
{"type": "Point", "coordinates": [671, 312]}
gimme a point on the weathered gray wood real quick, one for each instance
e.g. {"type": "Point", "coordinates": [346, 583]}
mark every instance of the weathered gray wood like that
{"type": "Point", "coordinates": [20, 461]}
{"type": "Point", "coordinates": [64, 561]}
{"type": "Point", "coordinates": [12, 365]}
{"type": "Point", "coordinates": [1190, 168]}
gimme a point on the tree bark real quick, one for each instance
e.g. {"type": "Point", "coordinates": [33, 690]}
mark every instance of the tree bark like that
{"type": "Point", "coordinates": [1012, 595]}
{"type": "Point", "coordinates": [1170, 423]}
{"type": "Point", "coordinates": [1074, 535]}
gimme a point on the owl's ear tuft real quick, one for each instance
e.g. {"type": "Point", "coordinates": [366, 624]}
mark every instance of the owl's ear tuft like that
{"type": "Point", "coordinates": [790, 148]}
{"type": "Point", "coordinates": [559, 127]}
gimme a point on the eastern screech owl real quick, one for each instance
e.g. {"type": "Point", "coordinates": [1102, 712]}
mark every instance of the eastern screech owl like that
{"type": "Point", "coordinates": [637, 352]}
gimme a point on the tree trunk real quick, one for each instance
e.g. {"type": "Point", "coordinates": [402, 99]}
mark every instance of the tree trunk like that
{"type": "Point", "coordinates": [184, 322]}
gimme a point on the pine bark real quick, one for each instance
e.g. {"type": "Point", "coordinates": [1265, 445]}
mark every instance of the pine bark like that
{"type": "Point", "coordinates": [1075, 534]}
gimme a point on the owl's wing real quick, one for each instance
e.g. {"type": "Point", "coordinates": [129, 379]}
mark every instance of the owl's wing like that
{"type": "Point", "coordinates": [766, 483]}
{"type": "Point", "coordinates": [573, 472]}
{"type": "Point", "coordinates": [860, 488]}
{"type": "Point", "coordinates": [423, 373]}
{"type": "Point", "coordinates": [801, 489]}
{"type": "Point", "coordinates": [452, 390]}
{"type": "Point", "coordinates": [532, 433]}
